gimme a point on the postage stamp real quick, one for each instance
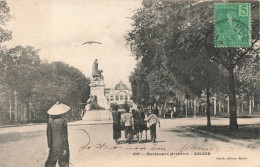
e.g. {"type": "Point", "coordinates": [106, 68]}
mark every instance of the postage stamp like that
{"type": "Point", "coordinates": [232, 25]}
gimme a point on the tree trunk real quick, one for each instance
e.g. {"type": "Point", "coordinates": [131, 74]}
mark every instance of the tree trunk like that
{"type": "Point", "coordinates": [186, 108]}
{"type": "Point", "coordinates": [238, 108]}
{"type": "Point", "coordinates": [15, 107]}
{"type": "Point", "coordinates": [10, 111]}
{"type": "Point", "coordinates": [232, 100]}
{"type": "Point", "coordinates": [228, 106]}
{"type": "Point", "coordinates": [198, 108]}
{"type": "Point", "coordinates": [242, 107]}
{"type": "Point", "coordinates": [28, 111]}
{"type": "Point", "coordinates": [191, 106]}
{"type": "Point", "coordinates": [250, 107]}
{"type": "Point", "coordinates": [194, 108]}
{"type": "Point", "coordinates": [219, 106]}
{"type": "Point", "coordinates": [253, 103]}
{"type": "Point", "coordinates": [25, 115]}
{"type": "Point", "coordinates": [163, 110]}
{"type": "Point", "coordinates": [215, 106]}
{"type": "Point", "coordinates": [208, 106]}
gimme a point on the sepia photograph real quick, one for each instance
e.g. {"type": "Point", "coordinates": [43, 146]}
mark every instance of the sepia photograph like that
{"type": "Point", "coordinates": [132, 83]}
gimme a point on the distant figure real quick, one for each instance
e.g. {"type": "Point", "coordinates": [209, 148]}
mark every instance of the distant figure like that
{"type": "Point", "coordinates": [152, 120]}
{"type": "Point", "coordinates": [171, 113]}
{"type": "Point", "coordinates": [116, 124]}
{"type": "Point", "coordinates": [139, 124]}
{"type": "Point", "coordinates": [57, 135]}
{"type": "Point", "coordinates": [174, 110]}
{"type": "Point", "coordinates": [156, 111]}
{"type": "Point", "coordinates": [128, 119]}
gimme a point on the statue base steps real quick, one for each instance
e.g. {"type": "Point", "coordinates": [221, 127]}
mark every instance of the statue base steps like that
{"type": "Point", "coordinates": [97, 115]}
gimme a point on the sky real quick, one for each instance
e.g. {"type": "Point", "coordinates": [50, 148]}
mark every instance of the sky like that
{"type": "Point", "coordinates": [59, 27]}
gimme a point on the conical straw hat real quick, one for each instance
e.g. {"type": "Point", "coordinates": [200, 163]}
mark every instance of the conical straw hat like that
{"type": "Point", "coordinates": [58, 109]}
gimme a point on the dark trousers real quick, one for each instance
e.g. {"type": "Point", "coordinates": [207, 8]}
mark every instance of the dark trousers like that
{"type": "Point", "coordinates": [128, 133]}
{"type": "Point", "coordinates": [116, 131]}
{"type": "Point", "coordinates": [56, 155]}
{"type": "Point", "coordinates": [153, 131]}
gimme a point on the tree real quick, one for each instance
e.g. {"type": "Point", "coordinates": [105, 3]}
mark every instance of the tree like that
{"type": "Point", "coordinates": [202, 23]}
{"type": "Point", "coordinates": [170, 67]}
{"type": "Point", "coordinates": [39, 85]}
{"type": "Point", "coordinates": [248, 78]}
{"type": "Point", "coordinates": [140, 86]}
{"type": "Point", "coordinates": [5, 35]}
{"type": "Point", "coordinates": [60, 82]}
{"type": "Point", "coordinates": [171, 36]}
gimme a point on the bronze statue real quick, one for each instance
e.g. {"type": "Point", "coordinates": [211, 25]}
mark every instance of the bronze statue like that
{"type": "Point", "coordinates": [95, 69]}
{"type": "Point", "coordinates": [96, 74]}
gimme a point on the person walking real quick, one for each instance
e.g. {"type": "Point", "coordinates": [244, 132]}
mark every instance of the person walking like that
{"type": "Point", "coordinates": [171, 113]}
{"type": "Point", "coordinates": [139, 124]}
{"type": "Point", "coordinates": [128, 120]}
{"type": "Point", "coordinates": [156, 111]}
{"type": "Point", "coordinates": [57, 136]}
{"type": "Point", "coordinates": [174, 110]}
{"type": "Point", "coordinates": [116, 124]}
{"type": "Point", "coordinates": [152, 120]}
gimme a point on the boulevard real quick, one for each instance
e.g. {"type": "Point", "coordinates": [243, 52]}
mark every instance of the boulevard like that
{"type": "Point", "coordinates": [89, 141]}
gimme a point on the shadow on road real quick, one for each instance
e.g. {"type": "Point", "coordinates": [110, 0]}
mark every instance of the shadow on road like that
{"type": "Point", "coordinates": [244, 132]}
{"type": "Point", "coordinates": [246, 135]}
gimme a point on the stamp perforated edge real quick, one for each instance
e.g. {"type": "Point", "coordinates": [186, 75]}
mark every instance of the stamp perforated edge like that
{"type": "Point", "coordinates": [250, 26]}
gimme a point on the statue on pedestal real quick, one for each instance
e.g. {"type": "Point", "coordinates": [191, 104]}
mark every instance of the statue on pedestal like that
{"type": "Point", "coordinates": [92, 103]}
{"type": "Point", "coordinates": [96, 73]}
{"type": "Point", "coordinates": [96, 107]}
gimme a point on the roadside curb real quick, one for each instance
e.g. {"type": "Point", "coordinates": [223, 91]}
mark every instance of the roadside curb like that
{"type": "Point", "coordinates": [73, 123]}
{"type": "Point", "coordinates": [20, 125]}
{"type": "Point", "coordinates": [104, 123]}
{"type": "Point", "coordinates": [82, 122]}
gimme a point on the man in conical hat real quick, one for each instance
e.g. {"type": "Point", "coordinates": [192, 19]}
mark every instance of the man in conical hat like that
{"type": "Point", "coordinates": [57, 135]}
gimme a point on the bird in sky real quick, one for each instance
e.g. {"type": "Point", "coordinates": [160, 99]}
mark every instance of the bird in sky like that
{"type": "Point", "coordinates": [91, 42]}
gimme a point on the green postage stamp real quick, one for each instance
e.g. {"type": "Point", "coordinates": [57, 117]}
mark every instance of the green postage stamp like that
{"type": "Point", "coordinates": [232, 25]}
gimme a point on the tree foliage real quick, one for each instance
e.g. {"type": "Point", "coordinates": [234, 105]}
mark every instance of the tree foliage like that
{"type": "Point", "coordinates": [5, 35]}
{"type": "Point", "coordinates": [39, 84]}
{"type": "Point", "coordinates": [173, 42]}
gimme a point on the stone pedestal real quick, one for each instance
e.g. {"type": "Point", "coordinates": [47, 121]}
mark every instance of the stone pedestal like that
{"type": "Point", "coordinates": [97, 88]}
{"type": "Point", "coordinates": [97, 115]}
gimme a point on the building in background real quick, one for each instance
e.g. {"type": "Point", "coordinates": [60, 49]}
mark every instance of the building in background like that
{"type": "Point", "coordinates": [120, 95]}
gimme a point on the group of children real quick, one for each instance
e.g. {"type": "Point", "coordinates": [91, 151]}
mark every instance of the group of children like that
{"type": "Point", "coordinates": [134, 124]}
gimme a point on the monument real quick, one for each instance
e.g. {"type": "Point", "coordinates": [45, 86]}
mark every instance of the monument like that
{"type": "Point", "coordinates": [97, 86]}
{"type": "Point", "coordinates": [97, 108]}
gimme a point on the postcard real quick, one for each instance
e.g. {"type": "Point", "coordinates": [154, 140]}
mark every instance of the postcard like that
{"type": "Point", "coordinates": [144, 83]}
